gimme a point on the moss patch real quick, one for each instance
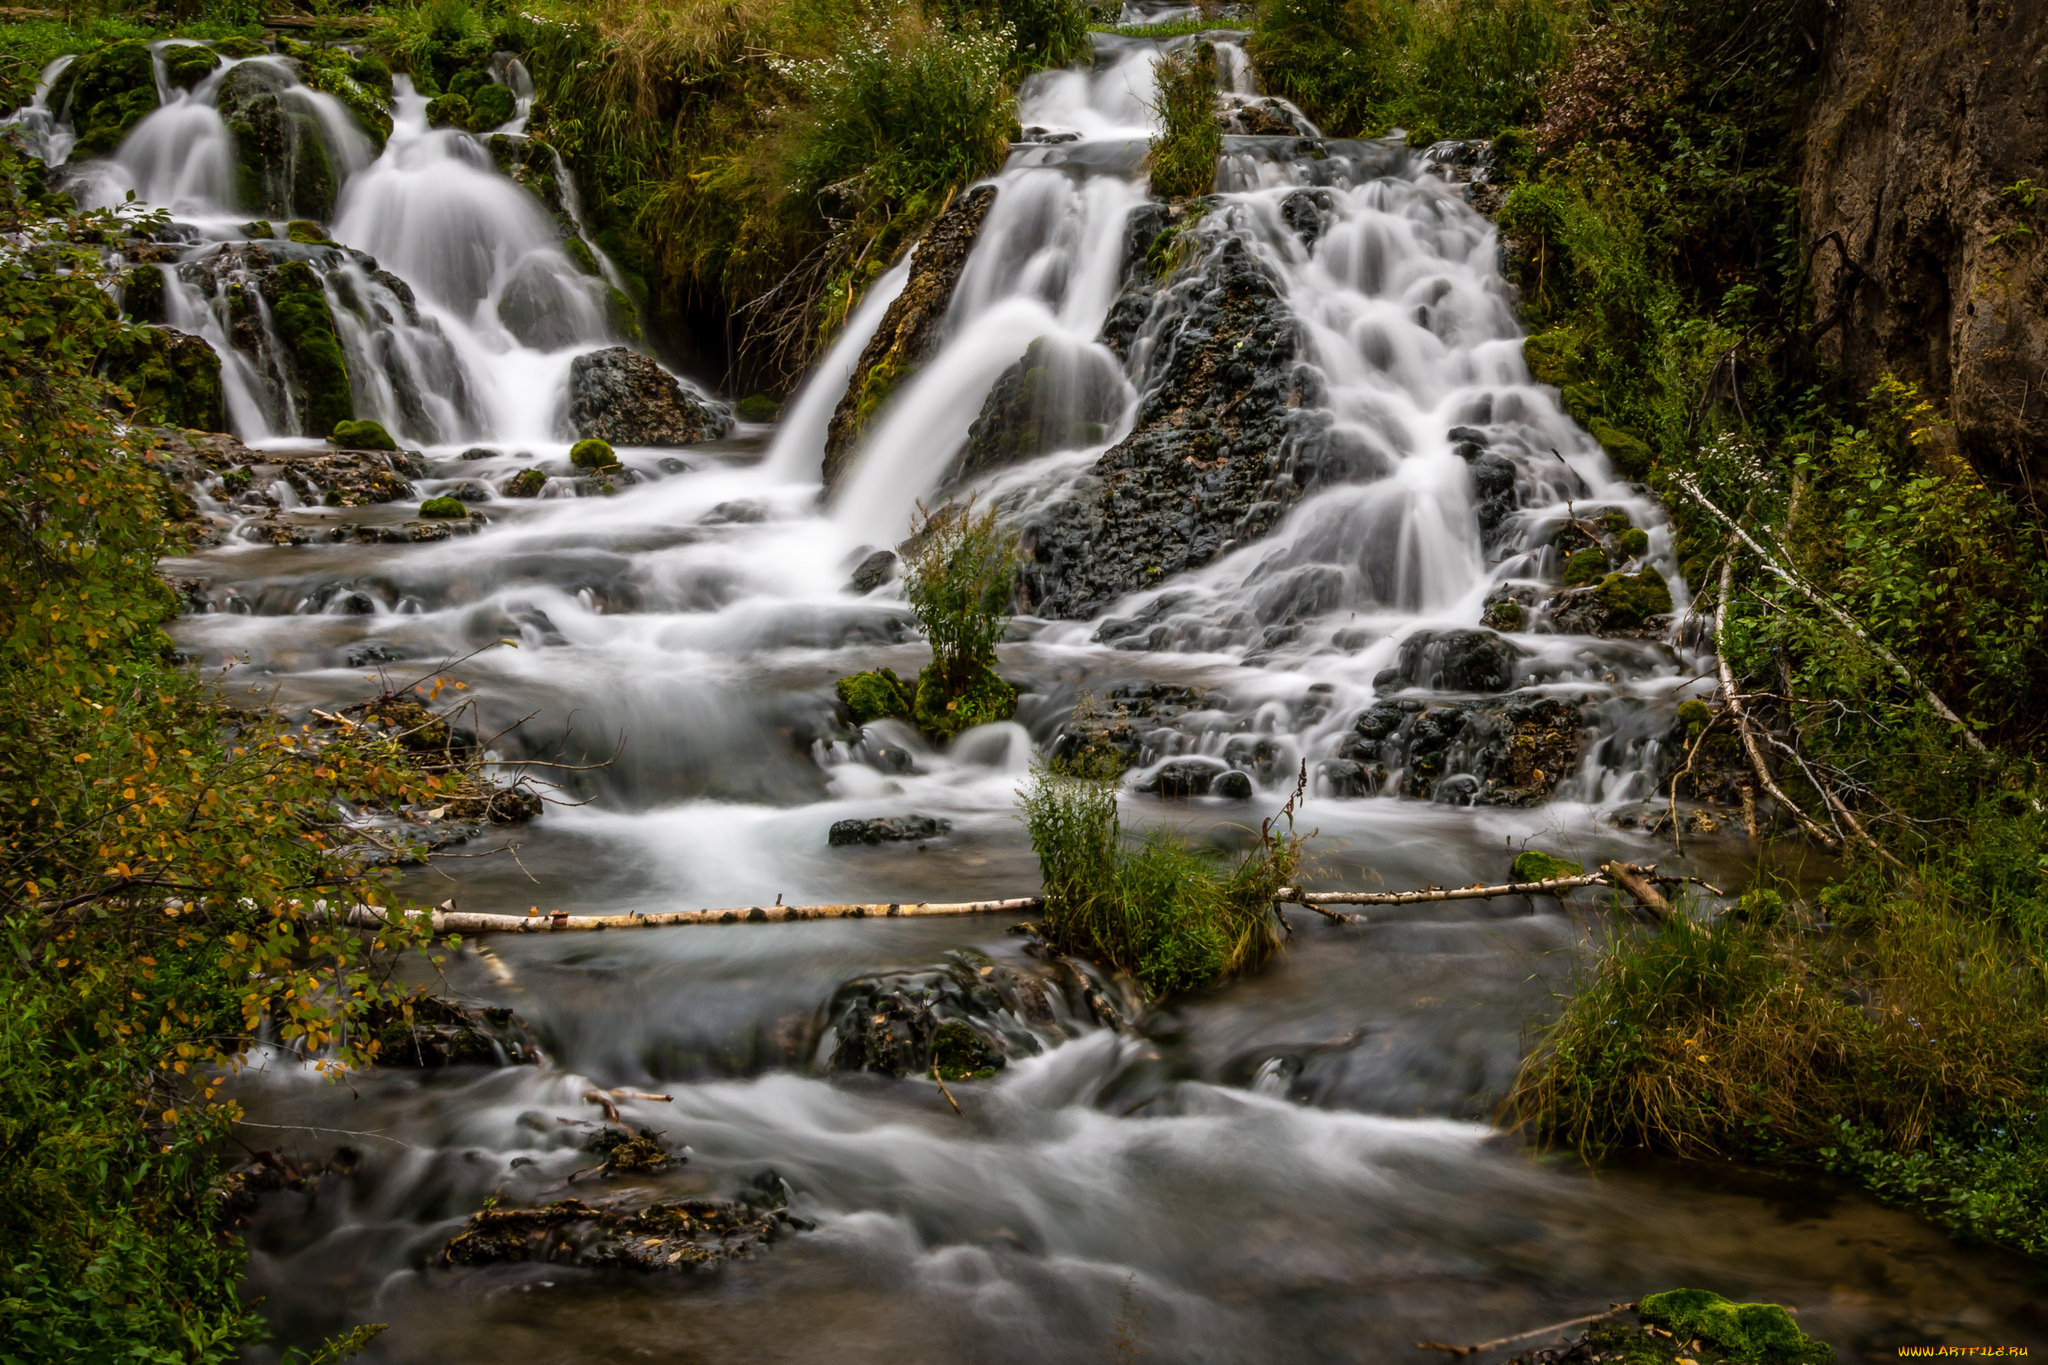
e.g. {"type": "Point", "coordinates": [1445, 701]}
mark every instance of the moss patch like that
{"type": "Point", "coordinates": [1533, 866]}
{"type": "Point", "coordinates": [306, 326]}
{"type": "Point", "coordinates": [1630, 456]}
{"type": "Point", "coordinates": [943, 709]}
{"type": "Point", "coordinates": [443, 508]}
{"type": "Point", "coordinates": [1629, 600]}
{"type": "Point", "coordinates": [591, 453]}
{"type": "Point", "coordinates": [174, 378]}
{"type": "Point", "coordinates": [108, 93]}
{"type": "Point", "coordinates": [527, 483]}
{"type": "Point", "coordinates": [1585, 567]}
{"type": "Point", "coordinates": [363, 435]}
{"type": "Point", "coordinates": [1762, 1333]}
{"type": "Point", "coordinates": [873, 695]}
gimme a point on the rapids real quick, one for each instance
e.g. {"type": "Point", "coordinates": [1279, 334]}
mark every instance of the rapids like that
{"type": "Point", "coordinates": [1298, 1167]}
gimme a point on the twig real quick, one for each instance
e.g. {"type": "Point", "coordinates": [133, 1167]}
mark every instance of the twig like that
{"type": "Point", "coordinates": [1461, 1352]}
{"type": "Point", "coordinates": [943, 1091]}
{"type": "Point", "coordinates": [310, 1128]}
{"type": "Point", "coordinates": [604, 1101]}
{"type": "Point", "coordinates": [1733, 700]}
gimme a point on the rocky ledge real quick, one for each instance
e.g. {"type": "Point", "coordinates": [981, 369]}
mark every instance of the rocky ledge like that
{"type": "Point", "coordinates": [630, 1234]}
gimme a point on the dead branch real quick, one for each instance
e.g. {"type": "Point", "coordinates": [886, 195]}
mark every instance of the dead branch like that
{"type": "Point", "coordinates": [940, 1080]}
{"type": "Point", "coordinates": [1798, 582]}
{"type": "Point", "coordinates": [603, 1101]}
{"type": "Point", "coordinates": [1636, 881]}
{"type": "Point", "coordinates": [1733, 700]}
{"type": "Point", "coordinates": [1550, 887]}
{"type": "Point", "coordinates": [1460, 1352]}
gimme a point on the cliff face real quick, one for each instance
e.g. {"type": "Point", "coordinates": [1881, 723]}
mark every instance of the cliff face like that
{"type": "Point", "coordinates": [1923, 151]}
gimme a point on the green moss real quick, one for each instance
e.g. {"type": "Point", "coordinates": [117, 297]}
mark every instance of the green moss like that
{"type": "Point", "coordinates": [306, 233]}
{"type": "Point", "coordinates": [943, 708]}
{"type": "Point", "coordinates": [1582, 402]}
{"type": "Point", "coordinates": [1552, 357]}
{"type": "Point", "coordinates": [527, 483]}
{"type": "Point", "coordinates": [173, 378]}
{"type": "Point", "coordinates": [1614, 521]}
{"type": "Point", "coordinates": [142, 293]}
{"type": "Point", "coordinates": [239, 47]}
{"type": "Point", "coordinates": [1750, 1333]}
{"type": "Point", "coordinates": [591, 453]}
{"type": "Point", "coordinates": [1695, 715]}
{"type": "Point", "coordinates": [758, 407]}
{"type": "Point", "coordinates": [876, 694]}
{"type": "Point", "coordinates": [372, 74]}
{"type": "Point", "coordinates": [443, 508]}
{"type": "Point", "coordinates": [108, 92]}
{"type": "Point", "coordinates": [1532, 866]}
{"type": "Point", "coordinates": [490, 106]}
{"type": "Point", "coordinates": [448, 111]}
{"type": "Point", "coordinates": [1633, 542]}
{"type": "Point", "coordinates": [1631, 600]}
{"type": "Point", "coordinates": [1630, 456]}
{"type": "Point", "coordinates": [185, 67]}
{"type": "Point", "coordinates": [1584, 567]}
{"type": "Point", "coordinates": [960, 1053]}
{"type": "Point", "coordinates": [363, 435]}
{"type": "Point", "coordinates": [258, 230]}
{"type": "Point", "coordinates": [306, 326]}
{"type": "Point", "coordinates": [1503, 616]}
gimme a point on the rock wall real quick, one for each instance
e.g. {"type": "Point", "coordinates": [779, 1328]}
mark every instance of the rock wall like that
{"type": "Point", "coordinates": [1929, 131]}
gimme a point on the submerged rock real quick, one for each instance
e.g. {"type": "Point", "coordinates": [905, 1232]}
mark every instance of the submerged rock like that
{"type": "Point", "coordinates": [1513, 751]}
{"type": "Point", "coordinates": [426, 1031]}
{"type": "Point", "coordinates": [910, 329]}
{"type": "Point", "coordinates": [1210, 461]}
{"type": "Point", "coordinates": [1058, 397]}
{"type": "Point", "coordinates": [888, 829]}
{"type": "Point", "coordinates": [872, 572]}
{"type": "Point", "coordinates": [620, 396]}
{"type": "Point", "coordinates": [624, 1234]}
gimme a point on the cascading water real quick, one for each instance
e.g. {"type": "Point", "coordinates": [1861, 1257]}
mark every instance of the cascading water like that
{"type": "Point", "coordinates": [1295, 1168]}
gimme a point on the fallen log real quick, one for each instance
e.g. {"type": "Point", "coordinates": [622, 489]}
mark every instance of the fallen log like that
{"type": "Point", "coordinates": [1313, 899]}
{"type": "Point", "coordinates": [1637, 883]}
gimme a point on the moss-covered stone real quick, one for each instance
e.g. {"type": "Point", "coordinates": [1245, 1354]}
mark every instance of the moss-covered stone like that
{"type": "Point", "coordinates": [239, 47]}
{"type": "Point", "coordinates": [591, 453]}
{"type": "Point", "coordinates": [173, 378]}
{"type": "Point", "coordinates": [1748, 1333]}
{"type": "Point", "coordinates": [1629, 601]}
{"type": "Point", "coordinates": [142, 293]}
{"type": "Point", "coordinates": [448, 111]}
{"type": "Point", "coordinates": [1533, 866]}
{"type": "Point", "coordinates": [306, 233]}
{"type": "Point", "coordinates": [281, 164]}
{"type": "Point", "coordinates": [363, 435]}
{"type": "Point", "coordinates": [1694, 716]}
{"type": "Point", "coordinates": [362, 85]}
{"type": "Point", "coordinates": [1552, 357]}
{"type": "Point", "coordinates": [758, 407]}
{"type": "Point", "coordinates": [185, 67]}
{"type": "Point", "coordinates": [527, 483]}
{"type": "Point", "coordinates": [1630, 456]}
{"type": "Point", "coordinates": [1582, 402]}
{"type": "Point", "coordinates": [943, 708]}
{"type": "Point", "coordinates": [490, 106]}
{"type": "Point", "coordinates": [443, 508]}
{"type": "Point", "coordinates": [371, 73]}
{"type": "Point", "coordinates": [1633, 542]}
{"type": "Point", "coordinates": [320, 369]}
{"type": "Point", "coordinates": [107, 92]}
{"type": "Point", "coordinates": [876, 694]}
{"type": "Point", "coordinates": [1585, 566]}
{"type": "Point", "coordinates": [1503, 615]}
{"type": "Point", "coordinates": [961, 1053]}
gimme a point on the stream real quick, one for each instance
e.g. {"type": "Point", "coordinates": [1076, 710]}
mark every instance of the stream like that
{"type": "Point", "coordinates": [1297, 1166]}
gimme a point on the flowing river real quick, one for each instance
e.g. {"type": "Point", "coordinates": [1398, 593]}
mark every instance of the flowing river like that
{"type": "Point", "coordinates": [1299, 1166]}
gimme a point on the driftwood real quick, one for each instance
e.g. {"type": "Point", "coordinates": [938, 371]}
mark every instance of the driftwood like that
{"type": "Point", "coordinates": [450, 921]}
{"type": "Point", "coordinates": [1842, 618]}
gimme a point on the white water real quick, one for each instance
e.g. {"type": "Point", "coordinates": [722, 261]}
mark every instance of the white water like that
{"type": "Point", "coordinates": [1287, 1170]}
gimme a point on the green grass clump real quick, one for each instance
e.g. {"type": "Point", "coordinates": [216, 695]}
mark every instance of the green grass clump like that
{"type": "Point", "coordinates": [959, 570]}
{"type": "Point", "coordinates": [1176, 918]}
{"type": "Point", "coordinates": [1183, 157]}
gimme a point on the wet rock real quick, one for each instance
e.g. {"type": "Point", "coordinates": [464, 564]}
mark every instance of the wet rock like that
{"type": "Point", "coordinates": [910, 327]}
{"type": "Point", "coordinates": [1511, 751]}
{"type": "Point", "coordinates": [738, 512]}
{"type": "Point", "coordinates": [1260, 118]}
{"type": "Point", "coordinates": [1348, 777]}
{"type": "Point", "coordinates": [620, 396]}
{"type": "Point", "coordinates": [627, 1234]}
{"type": "Point", "coordinates": [281, 164]}
{"type": "Point", "coordinates": [363, 435]}
{"type": "Point", "coordinates": [1190, 777]}
{"type": "Point", "coordinates": [1211, 461]}
{"type": "Point", "coordinates": [636, 1151]}
{"type": "Point", "coordinates": [1687, 1325]}
{"type": "Point", "coordinates": [105, 94]}
{"type": "Point", "coordinates": [336, 478]}
{"type": "Point", "coordinates": [887, 830]}
{"type": "Point", "coordinates": [1618, 604]}
{"type": "Point", "coordinates": [1058, 397]}
{"type": "Point", "coordinates": [1308, 213]}
{"type": "Point", "coordinates": [1457, 661]}
{"type": "Point", "coordinates": [872, 572]}
{"type": "Point", "coordinates": [527, 483]}
{"type": "Point", "coordinates": [172, 376]}
{"type": "Point", "coordinates": [1131, 727]}
{"type": "Point", "coordinates": [426, 1031]}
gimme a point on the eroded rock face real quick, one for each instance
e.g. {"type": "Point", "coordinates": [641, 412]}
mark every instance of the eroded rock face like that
{"type": "Point", "coordinates": [910, 329]}
{"type": "Point", "coordinates": [1212, 459]}
{"type": "Point", "coordinates": [621, 396]}
{"type": "Point", "coordinates": [1927, 118]}
{"type": "Point", "coordinates": [1058, 397]}
{"type": "Point", "coordinates": [1454, 661]}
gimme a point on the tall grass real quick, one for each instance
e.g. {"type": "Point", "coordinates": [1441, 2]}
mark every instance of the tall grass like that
{"type": "Point", "coordinates": [1183, 157]}
{"type": "Point", "coordinates": [1175, 917]}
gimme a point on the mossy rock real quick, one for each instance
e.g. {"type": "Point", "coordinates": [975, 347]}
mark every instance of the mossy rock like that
{"type": "Point", "coordinates": [1630, 601]}
{"type": "Point", "coordinates": [239, 47]}
{"type": "Point", "coordinates": [1582, 402]}
{"type": "Point", "coordinates": [758, 407]}
{"type": "Point", "coordinates": [527, 483]}
{"type": "Point", "coordinates": [443, 508]}
{"type": "Point", "coordinates": [1533, 866]}
{"type": "Point", "coordinates": [108, 92]}
{"type": "Point", "coordinates": [142, 293]}
{"type": "Point", "coordinates": [876, 694]}
{"type": "Point", "coordinates": [591, 453]}
{"type": "Point", "coordinates": [371, 73]}
{"type": "Point", "coordinates": [448, 111]}
{"type": "Point", "coordinates": [306, 233]}
{"type": "Point", "coordinates": [1633, 542]}
{"type": "Point", "coordinates": [185, 67]}
{"type": "Point", "coordinates": [319, 367]}
{"type": "Point", "coordinates": [961, 1053]}
{"type": "Point", "coordinates": [1614, 521]}
{"type": "Point", "coordinates": [1746, 1333]}
{"type": "Point", "coordinates": [259, 230]}
{"type": "Point", "coordinates": [942, 709]}
{"type": "Point", "coordinates": [363, 435]}
{"type": "Point", "coordinates": [1629, 454]}
{"type": "Point", "coordinates": [1694, 716]}
{"type": "Point", "coordinates": [362, 85]}
{"type": "Point", "coordinates": [174, 378]}
{"type": "Point", "coordinates": [1552, 357]}
{"type": "Point", "coordinates": [490, 106]}
{"type": "Point", "coordinates": [1503, 616]}
{"type": "Point", "coordinates": [1585, 567]}
{"type": "Point", "coordinates": [281, 164]}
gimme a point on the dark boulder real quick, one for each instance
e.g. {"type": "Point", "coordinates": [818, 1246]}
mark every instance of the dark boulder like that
{"type": "Point", "coordinates": [674, 1235]}
{"type": "Point", "coordinates": [872, 572]}
{"type": "Point", "coordinates": [1210, 462]}
{"type": "Point", "coordinates": [1058, 397]}
{"type": "Point", "coordinates": [1458, 661]}
{"type": "Point", "coordinates": [1198, 777]}
{"type": "Point", "coordinates": [909, 329]}
{"type": "Point", "coordinates": [426, 1031]}
{"type": "Point", "coordinates": [104, 94]}
{"type": "Point", "coordinates": [887, 830]}
{"type": "Point", "coordinates": [172, 376]}
{"type": "Point", "coordinates": [620, 396]}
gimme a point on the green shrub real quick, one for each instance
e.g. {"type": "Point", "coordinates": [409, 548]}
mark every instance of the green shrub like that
{"type": "Point", "coordinates": [947, 703]}
{"type": "Point", "coordinates": [591, 453]}
{"type": "Point", "coordinates": [875, 695]}
{"type": "Point", "coordinates": [1183, 156]}
{"type": "Point", "coordinates": [758, 407]}
{"type": "Point", "coordinates": [959, 570]}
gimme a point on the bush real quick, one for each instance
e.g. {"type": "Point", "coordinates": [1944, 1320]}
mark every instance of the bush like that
{"type": "Point", "coordinates": [1183, 157]}
{"type": "Point", "coordinates": [1174, 917]}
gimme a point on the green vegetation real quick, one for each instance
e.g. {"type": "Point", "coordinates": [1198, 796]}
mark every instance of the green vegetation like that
{"type": "Point", "coordinates": [1533, 866]}
{"type": "Point", "coordinates": [363, 435]}
{"type": "Point", "coordinates": [444, 508]}
{"type": "Point", "coordinates": [1183, 158]}
{"type": "Point", "coordinates": [306, 325]}
{"type": "Point", "coordinates": [527, 483]}
{"type": "Point", "coordinates": [157, 859]}
{"type": "Point", "coordinates": [958, 574]}
{"type": "Point", "coordinates": [593, 454]}
{"type": "Point", "coordinates": [1761, 1332]}
{"type": "Point", "coordinates": [1176, 918]}
{"type": "Point", "coordinates": [875, 695]}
